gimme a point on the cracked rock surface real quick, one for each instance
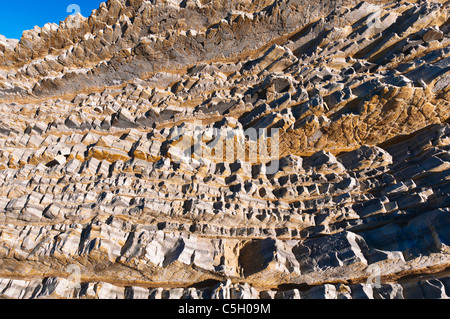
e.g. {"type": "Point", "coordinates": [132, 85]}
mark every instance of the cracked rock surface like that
{"type": "Point", "coordinates": [104, 193]}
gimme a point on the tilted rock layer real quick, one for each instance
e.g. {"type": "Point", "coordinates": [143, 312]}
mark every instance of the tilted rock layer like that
{"type": "Point", "coordinates": [100, 196]}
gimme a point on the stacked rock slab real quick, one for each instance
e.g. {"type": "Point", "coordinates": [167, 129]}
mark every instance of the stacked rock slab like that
{"type": "Point", "coordinates": [112, 184]}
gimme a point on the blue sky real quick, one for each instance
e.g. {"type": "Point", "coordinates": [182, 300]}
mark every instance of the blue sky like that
{"type": "Point", "coordinates": [19, 15]}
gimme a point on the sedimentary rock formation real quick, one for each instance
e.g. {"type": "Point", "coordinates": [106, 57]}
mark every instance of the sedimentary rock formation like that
{"type": "Point", "coordinates": [228, 149]}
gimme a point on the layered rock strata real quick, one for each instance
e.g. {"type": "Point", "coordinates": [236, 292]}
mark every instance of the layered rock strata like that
{"type": "Point", "coordinates": [117, 179]}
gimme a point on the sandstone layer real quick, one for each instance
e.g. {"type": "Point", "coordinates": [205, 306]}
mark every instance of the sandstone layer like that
{"type": "Point", "coordinates": [113, 183]}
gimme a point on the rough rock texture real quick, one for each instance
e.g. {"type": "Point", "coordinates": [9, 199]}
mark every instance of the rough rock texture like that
{"type": "Point", "coordinates": [101, 195]}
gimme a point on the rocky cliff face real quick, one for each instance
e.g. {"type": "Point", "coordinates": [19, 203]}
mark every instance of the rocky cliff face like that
{"type": "Point", "coordinates": [228, 149]}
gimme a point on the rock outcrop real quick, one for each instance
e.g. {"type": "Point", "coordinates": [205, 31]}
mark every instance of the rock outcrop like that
{"type": "Point", "coordinates": [273, 149]}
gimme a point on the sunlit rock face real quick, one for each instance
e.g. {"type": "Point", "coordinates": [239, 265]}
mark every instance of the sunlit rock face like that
{"type": "Point", "coordinates": [228, 149]}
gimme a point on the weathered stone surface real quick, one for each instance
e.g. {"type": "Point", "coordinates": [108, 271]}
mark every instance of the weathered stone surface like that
{"type": "Point", "coordinates": [228, 150]}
